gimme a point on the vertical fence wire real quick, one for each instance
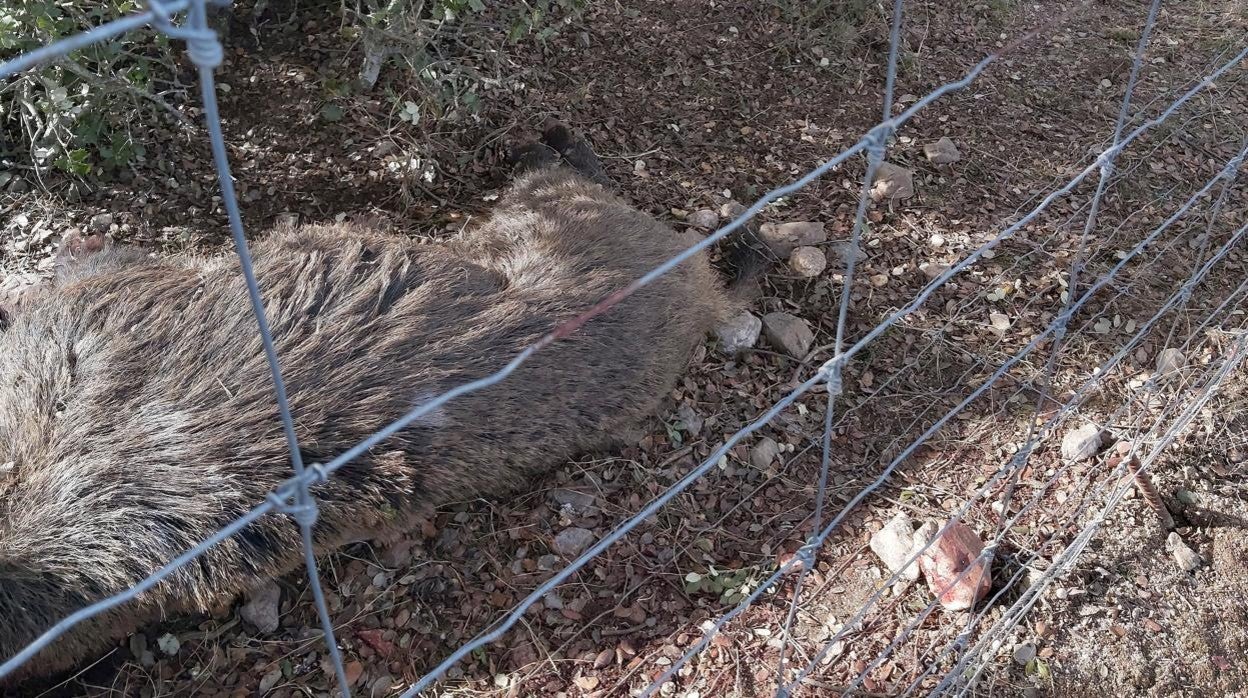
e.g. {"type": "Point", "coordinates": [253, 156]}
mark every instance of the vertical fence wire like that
{"type": "Point", "coordinates": [834, 369]}
{"type": "Point", "coordinates": [207, 53]}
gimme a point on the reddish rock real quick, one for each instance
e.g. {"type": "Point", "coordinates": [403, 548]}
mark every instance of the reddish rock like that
{"type": "Point", "coordinates": [951, 553]}
{"type": "Point", "coordinates": [376, 639]}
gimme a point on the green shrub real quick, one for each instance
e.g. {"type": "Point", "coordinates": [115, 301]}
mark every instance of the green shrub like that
{"type": "Point", "coordinates": [78, 114]}
{"type": "Point", "coordinates": [75, 113]}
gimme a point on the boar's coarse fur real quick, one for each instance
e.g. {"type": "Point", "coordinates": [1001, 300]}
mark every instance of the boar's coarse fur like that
{"type": "Point", "coordinates": [137, 414]}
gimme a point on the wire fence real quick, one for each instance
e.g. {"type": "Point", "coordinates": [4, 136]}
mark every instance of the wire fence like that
{"type": "Point", "coordinates": [955, 664]}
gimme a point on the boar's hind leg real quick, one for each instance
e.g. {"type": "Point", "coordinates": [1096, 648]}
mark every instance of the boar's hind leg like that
{"type": "Point", "coordinates": [533, 157]}
{"type": "Point", "coordinates": [575, 150]}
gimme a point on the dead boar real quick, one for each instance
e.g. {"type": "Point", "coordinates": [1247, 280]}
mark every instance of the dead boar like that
{"type": "Point", "coordinates": [137, 414]}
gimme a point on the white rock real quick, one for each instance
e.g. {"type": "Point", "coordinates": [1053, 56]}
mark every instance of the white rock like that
{"type": "Point", "coordinates": [1170, 362]}
{"type": "Point", "coordinates": [1082, 443]}
{"type": "Point", "coordinates": [942, 152]}
{"type": "Point", "coordinates": [783, 238]}
{"type": "Point", "coordinates": [262, 607]}
{"type": "Point", "coordinates": [808, 261]}
{"type": "Point", "coordinates": [706, 219]}
{"type": "Point", "coordinates": [788, 333]}
{"type": "Point", "coordinates": [573, 541]}
{"type": "Point", "coordinates": [739, 333]}
{"type": "Point", "coordinates": [894, 544]}
{"type": "Point", "coordinates": [1187, 558]}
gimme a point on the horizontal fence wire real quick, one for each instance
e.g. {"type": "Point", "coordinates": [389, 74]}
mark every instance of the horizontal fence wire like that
{"type": "Point", "coordinates": [295, 499]}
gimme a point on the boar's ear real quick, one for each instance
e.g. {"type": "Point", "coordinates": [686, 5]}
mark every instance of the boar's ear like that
{"type": "Point", "coordinates": [74, 247]}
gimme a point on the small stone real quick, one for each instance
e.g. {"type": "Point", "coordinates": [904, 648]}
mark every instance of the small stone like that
{"type": "Point", "coordinates": [808, 262]}
{"type": "Point", "coordinates": [879, 280]}
{"type": "Point", "coordinates": [102, 222]}
{"type": "Point", "coordinates": [1082, 443]}
{"type": "Point", "coordinates": [1000, 321]}
{"type": "Point", "coordinates": [1024, 653]}
{"type": "Point", "coordinates": [1187, 558]}
{"type": "Point", "coordinates": [1170, 362]}
{"type": "Point", "coordinates": [783, 238]}
{"type": "Point", "coordinates": [892, 182]}
{"type": "Point", "coordinates": [764, 453]}
{"type": "Point", "coordinates": [942, 152]}
{"type": "Point", "coordinates": [894, 544]}
{"type": "Point", "coordinates": [262, 606]}
{"type": "Point", "coordinates": [572, 498]}
{"type": "Point", "coordinates": [705, 219]}
{"type": "Point", "coordinates": [573, 541]}
{"type": "Point", "coordinates": [738, 333]}
{"type": "Point", "coordinates": [954, 551]}
{"type": "Point", "coordinates": [788, 333]}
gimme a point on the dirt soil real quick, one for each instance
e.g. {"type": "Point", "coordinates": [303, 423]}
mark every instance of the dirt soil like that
{"type": "Point", "coordinates": [694, 106]}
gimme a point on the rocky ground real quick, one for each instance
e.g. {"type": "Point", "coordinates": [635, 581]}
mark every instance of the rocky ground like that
{"type": "Point", "coordinates": [696, 112]}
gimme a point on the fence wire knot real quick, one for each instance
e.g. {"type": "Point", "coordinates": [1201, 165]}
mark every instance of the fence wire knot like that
{"type": "Point", "coordinates": [805, 555]}
{"type": "Point", "coordinates": [831, 372]}
{"type": "Point", "coordinates": [303, 514]}
{"type": "Point", "coordinates": [876, 139]}
{"type": "Point", "coordinates": [1105, 161]}
{"type": "Point", "coordinates": [202, 44]}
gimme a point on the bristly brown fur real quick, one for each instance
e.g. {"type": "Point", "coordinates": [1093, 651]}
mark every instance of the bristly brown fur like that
{"type": "Point", "coordinates": [137, 415]}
